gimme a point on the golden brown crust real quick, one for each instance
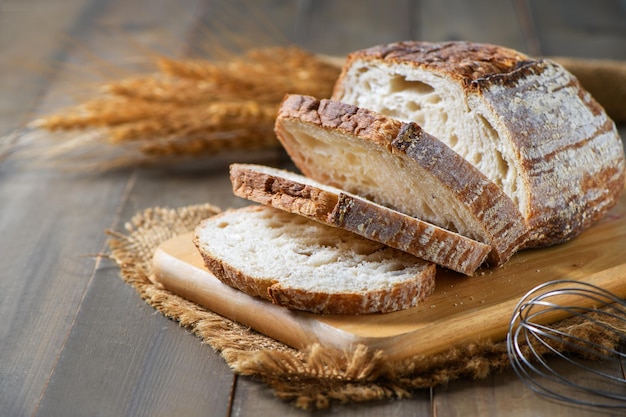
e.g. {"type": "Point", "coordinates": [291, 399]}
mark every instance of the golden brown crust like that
{"type": "Point", "coordinates": [399, 297]}
{"type": "Point", "coordinates": [411, 235]}
{"type": "Point", "coordinates": [281, 193]}
{"type": "Point", "coordinates": [466, 61]}
{"type": "Point", "coordinates": [343, 117]}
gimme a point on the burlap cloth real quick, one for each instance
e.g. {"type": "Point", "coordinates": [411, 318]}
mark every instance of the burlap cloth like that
{"type": "Point", "coordinates": [317, 376]}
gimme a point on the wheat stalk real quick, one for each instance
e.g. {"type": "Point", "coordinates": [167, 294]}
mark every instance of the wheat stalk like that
{"type": "Point", "coordinates": [197, 107]}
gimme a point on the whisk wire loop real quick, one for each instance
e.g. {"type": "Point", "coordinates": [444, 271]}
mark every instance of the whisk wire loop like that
{"type": "Point", "coordinates": [598, 328]}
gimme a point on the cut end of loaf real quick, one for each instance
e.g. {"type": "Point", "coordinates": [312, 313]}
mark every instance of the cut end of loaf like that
{"type": "Point", "coordinates": [305, 265]}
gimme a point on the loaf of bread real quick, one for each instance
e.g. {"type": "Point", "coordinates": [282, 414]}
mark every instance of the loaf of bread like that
{"type": "Point", "coordinates": [305, 265]}
{"type": "Point", "coordinates": [301, 195]}
{"type": "Point", "coordinates": [400, 166]}
{"type": "Point", "coordinates": [526, 124]}
{"type": "Point", "coordinates": [452, 152]}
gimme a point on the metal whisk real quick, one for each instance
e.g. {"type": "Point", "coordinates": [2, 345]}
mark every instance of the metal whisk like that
{"type": "Point", "coordinates": [581, 364]}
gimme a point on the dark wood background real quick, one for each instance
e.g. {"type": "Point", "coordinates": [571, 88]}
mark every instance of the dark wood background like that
{"type": "Point", "coordinates": [77, 341]}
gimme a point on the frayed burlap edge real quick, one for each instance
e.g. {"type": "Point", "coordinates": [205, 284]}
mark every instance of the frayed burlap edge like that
{"type": "Point", "coordinates": [312, 378]}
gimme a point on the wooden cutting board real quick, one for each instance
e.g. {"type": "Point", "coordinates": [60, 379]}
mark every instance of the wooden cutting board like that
{"type": "Point", "coordinates": [461, 310]}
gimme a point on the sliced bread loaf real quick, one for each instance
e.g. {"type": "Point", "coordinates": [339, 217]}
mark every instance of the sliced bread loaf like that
{"type": "Point", "coordinates": [526, 124]}
{"type": "Point", "coordinates": [400, 166]}
{"type": "Point", "coordinates": [305, 265]}
{"type": "Point", "coordinates": [304, 196]}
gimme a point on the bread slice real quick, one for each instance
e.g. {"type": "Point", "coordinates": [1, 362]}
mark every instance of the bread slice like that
{"type": "Point", "coordinates": [329, 205]}
{"type": "Point", "coordinates": [400, 166]}
{"type": "Point", "coordinates": [526, 124]}
{"type": "Point", "coordinates": [305, 265]}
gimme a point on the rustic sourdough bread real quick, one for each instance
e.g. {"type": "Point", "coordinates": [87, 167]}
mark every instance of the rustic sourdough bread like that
{"type": "Point", "coordinates": [527, 124]}
{"type": "Point", "coordinates": [400, 166]}
{"type": "Point", "coordinates": [302, 264]}
{"type": "Point", "coordinates": [301, 195]}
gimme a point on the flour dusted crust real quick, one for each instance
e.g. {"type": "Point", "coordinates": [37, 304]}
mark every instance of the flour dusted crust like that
{"type": "Point", "coordinates": [301, 195]}
{"type": "Point", "coordinates": [301, 264]}
{"type": "Point", "coordinates": [399, 297]}
{"type": "Point", "coordinates": [400, 166]}
{"type": "Point", "coordinates": [526, 123]}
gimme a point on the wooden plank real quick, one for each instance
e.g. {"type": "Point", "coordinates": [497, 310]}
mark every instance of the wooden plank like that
{"type": "Point", "coordinates": [31, 37]}
{"type": "Point", "coordinates": [118, 363]}
{"type": "Point", "coordinates": [255, 399]}
{"type": "Point", "coordinates": [479, 21]}
{"type": "Point", "coordinates": [580, 29]}
{"type": "Point", "coordinates": [121, 358]}
{"type": "Point", "coordinates": [337, 27]}
{"type": "Point", "coordinates": [237, 25]}
{"type": "Point", "coordinates": [505, 394]}
{"type": "Point", "coordinates": [44, 273]}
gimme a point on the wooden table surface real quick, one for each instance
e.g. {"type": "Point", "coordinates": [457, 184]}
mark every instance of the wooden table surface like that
{"type": "Point", "coordinates": [75, 340]}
